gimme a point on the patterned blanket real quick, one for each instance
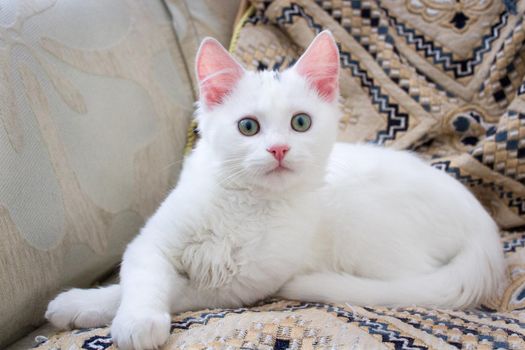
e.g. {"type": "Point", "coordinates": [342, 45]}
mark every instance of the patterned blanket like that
{"type": "Point", "coordinates": [442, 78]}
{"type": "Point", "coordinates": [282, 325]}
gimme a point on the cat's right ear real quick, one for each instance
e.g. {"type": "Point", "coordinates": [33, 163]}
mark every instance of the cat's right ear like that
{"type": "Point", "coordinates": [217, 72]}
{"type": "Point", "coordinates": [319, 64]}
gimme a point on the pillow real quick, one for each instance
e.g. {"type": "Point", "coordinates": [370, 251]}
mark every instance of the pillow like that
{"type": "Point", "coordinates": [95, 100]}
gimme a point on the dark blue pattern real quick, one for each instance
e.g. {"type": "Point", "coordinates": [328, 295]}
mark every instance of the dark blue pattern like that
{"type": "Point", "coordinates": [460, 68]}
{"type": "Point", "coordinates": [281, 344]}
{"type": "Point", "coordinates": [513, 202]}
{"type": "Point", "coordinates": [375, 327]}
{"type": "Point", "coordinates": [448, 322]}
{"type": "Point", "coordinates": [203, 318]}
{"type": "Point", "coordinates": [388, 335]}
{"type": "Point", "coordinates": [97, 342]}
{"type": "Point", "coordinates": [383, 30]}
{"type": "Point", "coordinates": [396, 121]}
{"type": "Point", "coordinates": [511, 246]}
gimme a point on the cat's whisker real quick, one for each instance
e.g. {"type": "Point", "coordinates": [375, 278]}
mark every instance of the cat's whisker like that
{"type": "Point", "coordinates": [231, 177]}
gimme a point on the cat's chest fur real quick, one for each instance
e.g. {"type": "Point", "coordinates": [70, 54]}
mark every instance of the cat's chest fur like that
{"type": "Point", "coordinates": [240, 236]}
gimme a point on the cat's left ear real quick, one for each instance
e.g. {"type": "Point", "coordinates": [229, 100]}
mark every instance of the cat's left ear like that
{"type": "Point", "coordinates": [217, 72]}
{"type": "Point", "coordinates": [319, 64]}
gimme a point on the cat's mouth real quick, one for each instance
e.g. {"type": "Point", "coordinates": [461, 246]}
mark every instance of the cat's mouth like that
{"type": "Point", "coordinates": [279, 169]}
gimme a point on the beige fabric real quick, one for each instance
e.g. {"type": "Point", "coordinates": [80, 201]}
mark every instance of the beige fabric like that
{"type": "Point", "coordinates": [47, 330]}
{"type": "Point", "coordinates": [307, 326]}
{"type": "Point", "coordinates": [195, 19]}
{"type": "Point", "coordinates": [32, 339]}
{"type": "Point", "coordinates": [95, 100]}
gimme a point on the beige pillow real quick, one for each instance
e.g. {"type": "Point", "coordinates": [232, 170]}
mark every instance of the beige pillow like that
{"type": "Point", "coordinates": [95, 100]}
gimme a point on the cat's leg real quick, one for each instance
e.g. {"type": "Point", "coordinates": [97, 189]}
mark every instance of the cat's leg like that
{"type": "Point", "coordinates": [149, 282]}
{"type": "Point", "coordinates": [82, 308]}
{"type": "Point", "coordinates": [192, 298]}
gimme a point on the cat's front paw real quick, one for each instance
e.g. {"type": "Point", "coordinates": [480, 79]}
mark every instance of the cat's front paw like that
{"type": "Point", "coordinates": [140, 329]}
{"type": "Point", "coordinates": [81, 308]}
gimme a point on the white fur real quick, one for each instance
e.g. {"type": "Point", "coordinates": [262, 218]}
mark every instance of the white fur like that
{"type": "Point", "coordinates": [351, 223]}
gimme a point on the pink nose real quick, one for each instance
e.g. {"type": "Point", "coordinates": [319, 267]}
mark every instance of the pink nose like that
{"type": "Point", "coordinates": [279, 151]}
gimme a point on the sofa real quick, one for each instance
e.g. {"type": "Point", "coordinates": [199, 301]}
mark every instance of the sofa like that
{"type": "Point", "coordinates": [96, 103]}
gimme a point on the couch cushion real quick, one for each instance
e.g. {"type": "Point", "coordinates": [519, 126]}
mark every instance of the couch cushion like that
{"type": "Point", "coordinates": [95, 101]}
{"type": "Point", "coordinates": [39, 335]}
{"type": "Point", "coordinates": [195, 19]}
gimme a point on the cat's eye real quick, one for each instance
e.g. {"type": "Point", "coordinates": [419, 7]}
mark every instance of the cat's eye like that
{"type": "Point", "coordinates": [248, 126]}
{"type": "Point", "coordinates": [301, 122]}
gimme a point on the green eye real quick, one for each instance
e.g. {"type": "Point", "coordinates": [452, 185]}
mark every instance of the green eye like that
{"type": "Point", "coordinates": [301, 122]}
{"type": "Point", "coordinates": [248, 126]}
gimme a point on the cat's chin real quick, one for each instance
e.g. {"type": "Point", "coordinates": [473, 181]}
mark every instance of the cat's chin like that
{"type": "Point", "coordinates": [283, 181]}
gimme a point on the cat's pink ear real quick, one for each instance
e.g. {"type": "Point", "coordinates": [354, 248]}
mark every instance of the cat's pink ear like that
{"type": "Point", "coordinates": [319, 64]}
{"type": "Point", "coordinates": [217, 72]}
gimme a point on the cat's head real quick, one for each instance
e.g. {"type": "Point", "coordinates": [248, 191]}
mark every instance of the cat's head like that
{"type": "Point", "coordinates": [268, 129]}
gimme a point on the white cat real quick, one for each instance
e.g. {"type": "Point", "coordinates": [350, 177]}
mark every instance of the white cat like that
{"type": "Point", "coordinates": [267, 205]}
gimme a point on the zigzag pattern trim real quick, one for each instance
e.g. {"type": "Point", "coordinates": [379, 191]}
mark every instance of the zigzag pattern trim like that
{"type": "Point", "coordinates": [513, 202]}
{"type": "Point", "coordinates": [374, 327]}
{"type": "Point", "coordinates": [460, 68]}
{"type": "Point", "coordinates": [494, 317]}
{"type": "Point", "coordinates": [294, 10]}
{"type": "Point", "coordinates": [205, 317]}
{"type": "Point", "coordinates": [388, 38]}
{"type": "Point", "coordinates": [421, 327]}
{"type": "Point", "coordinates": [396, 121]}
{"type": "Point", "coordinates": [448, 322]}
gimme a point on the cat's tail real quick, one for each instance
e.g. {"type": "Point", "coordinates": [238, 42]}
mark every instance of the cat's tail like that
{"type": "Point", "coordinates": [473, 276]}
{"type": "Point", "coordinates": [84, 308]}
